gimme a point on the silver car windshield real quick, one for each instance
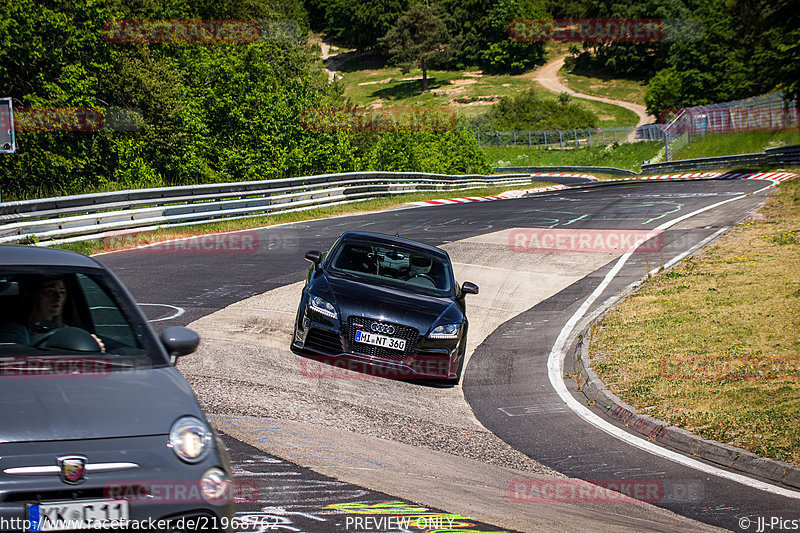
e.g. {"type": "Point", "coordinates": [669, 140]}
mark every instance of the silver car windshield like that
{"type": "Point", "coordinates": [411, 269]}
{"type": "Point", "coordinates": [52, 317]}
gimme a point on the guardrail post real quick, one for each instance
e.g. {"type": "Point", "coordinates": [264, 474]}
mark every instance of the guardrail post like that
{"type": "Point", "coordinates": [576, 137]}
{"type": "Point", "coordinates": [560, 139]}
{"type": "Point", "coordinates": [529, 138]}
{"type": "Point", "coordinates": [545, 140]}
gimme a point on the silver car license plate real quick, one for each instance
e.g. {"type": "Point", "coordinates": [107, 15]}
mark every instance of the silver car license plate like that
{"type": "Point", "coordinates": [84, 514]}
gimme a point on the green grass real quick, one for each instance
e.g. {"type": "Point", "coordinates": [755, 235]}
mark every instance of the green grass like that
{"type": "Point", "coordinates": [138, 239]}
{"type": "Point", "coordinates": [711, 345]}
{"type": "Point", "coordinates": [368, 82]}
{"type": "Point", "coordinates": [604, 85]}
{"type": "Point", "coordinates": [717, 144]}
{"type": "Point", "coordinates": [625, 156]}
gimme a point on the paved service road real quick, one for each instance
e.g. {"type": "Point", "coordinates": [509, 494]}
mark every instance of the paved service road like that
{"type": "Point", "coordinates": [421, 443]}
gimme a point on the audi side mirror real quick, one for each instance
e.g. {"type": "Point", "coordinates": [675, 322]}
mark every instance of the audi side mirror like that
{"type": "Point", "coordinates": [314, 256]}
{"type": "Point", "coordinates": [469, 288]}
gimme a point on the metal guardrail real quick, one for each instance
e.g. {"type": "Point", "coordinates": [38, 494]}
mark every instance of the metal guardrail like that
{"type": "Point", "coordinates": [784, 155]}
{"type": "Point", "coordinates": [87, 216]}
{"type": "Point", "coordinates": [604, 170]}
{"type": "Point", "coordinates": [91, 216]}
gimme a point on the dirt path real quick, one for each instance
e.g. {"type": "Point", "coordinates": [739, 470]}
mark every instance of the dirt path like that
{"type": "Point", "coordinates": [548, 77]}
{"type": "Point", "coordinates": [330, 68]}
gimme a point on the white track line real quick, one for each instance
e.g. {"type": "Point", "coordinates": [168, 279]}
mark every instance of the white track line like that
{"type": "Point", "coordinates": [555, 371]}
{"type": "Point", "coordinates": [178, 312]}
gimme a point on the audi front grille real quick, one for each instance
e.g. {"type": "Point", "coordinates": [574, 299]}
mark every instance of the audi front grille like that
{"type": "Point", "coordinates": [401, 331]}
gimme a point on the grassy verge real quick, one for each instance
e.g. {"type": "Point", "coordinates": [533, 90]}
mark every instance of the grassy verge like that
{"type": "Point", "coordinates": [369, 82]}
{"type": "Point", "coordinates": [603, 85]}
{"type": "Point", "coordinates": [712, 345]}
{"type": "Point", "coordinates": [139, 239]}
{"type": "Point", "coordinates": [626, 156]}
{"type": "Point", "coordinates": [750, 142]}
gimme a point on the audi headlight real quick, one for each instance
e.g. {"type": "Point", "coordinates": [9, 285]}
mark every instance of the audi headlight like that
{"type": "Point", "coordinates": [190, 439]}
{"type": "Point", "coordinates": [445, 331]}
{"type": "Point", "coordinates": [323, 307]}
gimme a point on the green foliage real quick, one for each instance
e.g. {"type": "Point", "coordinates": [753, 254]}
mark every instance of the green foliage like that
{"type": "Point", "coordinates": [449, 152]}
{"type": "Point", "coordinates": [669, 89]}
{"type": "Point", "coordinates": [357, 23]}
{"type": "Point", "coordinates": [503, 54]}
{"type": "Point", "coordinates": [528, 111]}
{"type": "Point", "coordinates": [628, 156]}
{"type": "Point", "coordinates": [419, 37]}
{"type": "Point", "coordinates": [629, 59]}
{"type": "Point", "coordinates": [206, 112]}
{"type": "Point", "coordinates": [479, 28]}
{"type": "Point", "coordinates": [720, 50]}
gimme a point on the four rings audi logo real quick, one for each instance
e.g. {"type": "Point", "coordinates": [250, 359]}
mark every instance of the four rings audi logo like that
{"type": "Point", "coordinates": [377, 327]}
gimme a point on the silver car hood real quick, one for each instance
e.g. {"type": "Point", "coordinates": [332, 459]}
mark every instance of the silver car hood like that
{"type": "Point", "coordinates": [117, 404]}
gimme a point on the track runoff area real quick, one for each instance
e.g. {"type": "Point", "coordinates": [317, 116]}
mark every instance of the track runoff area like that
{"type": "Point", "coordinates": [428, 446]}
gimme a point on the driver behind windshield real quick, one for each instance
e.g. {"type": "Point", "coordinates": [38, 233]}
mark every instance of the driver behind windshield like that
{"type": "Point", "coordinates": [43, 302]}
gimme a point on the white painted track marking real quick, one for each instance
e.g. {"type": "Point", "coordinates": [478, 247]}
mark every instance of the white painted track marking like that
{"type": "Point", "coordinates": [178, 312]}
{"type": "Point", "coordinates": [555, 371]}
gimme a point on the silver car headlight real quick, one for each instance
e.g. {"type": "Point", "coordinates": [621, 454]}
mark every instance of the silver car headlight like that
{"type": "Point", "coordinates": [445, 331]}
{"type": "Point", "coordinates": [190, 439]}
{"type": "Point", "coordinates": [323, 307]}
{"type": "Point", "coordinates": [216, 486]}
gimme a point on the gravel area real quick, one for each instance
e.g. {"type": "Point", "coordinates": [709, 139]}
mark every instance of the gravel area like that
{"type": "Point", "coordinates": [229, 397]}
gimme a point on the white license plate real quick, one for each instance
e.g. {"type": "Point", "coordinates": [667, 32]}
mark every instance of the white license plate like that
{"type": "Point", "coordinates": [380, 340]}
{"type": "Point", "coordinates": [60, 516]}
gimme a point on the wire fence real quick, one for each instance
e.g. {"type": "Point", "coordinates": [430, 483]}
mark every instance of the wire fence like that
{"type": "Point", "coordinates": [557, 139]}
{"type": "Point", "coordinates": [769, 112]}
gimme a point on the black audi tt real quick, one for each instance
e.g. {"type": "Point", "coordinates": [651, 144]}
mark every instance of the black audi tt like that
{"type": "Point", "coordinates": [384, 305]}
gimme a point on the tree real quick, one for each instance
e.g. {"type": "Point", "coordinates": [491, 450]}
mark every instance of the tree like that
{"type": "Point", "coordinates": [357, 23]}
{"type": "Point", "coordinates": [419, 37]}
{"type": "Point", "coordinates": [501, 53]}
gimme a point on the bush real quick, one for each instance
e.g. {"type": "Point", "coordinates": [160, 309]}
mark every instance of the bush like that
{"type": "Point", "coordinates": [527, 111]}
{"type": "Point", "coordinates": [449, 152]}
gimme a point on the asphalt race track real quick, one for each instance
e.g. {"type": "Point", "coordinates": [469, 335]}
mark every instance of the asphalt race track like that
{"type": "Point", "coordinates": [276, 495]}
{"type": "Point", "coordinates": [506, 382]}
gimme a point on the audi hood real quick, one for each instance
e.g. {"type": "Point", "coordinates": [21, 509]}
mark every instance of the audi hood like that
{"type": "Point", "coordinates": [384, 302]}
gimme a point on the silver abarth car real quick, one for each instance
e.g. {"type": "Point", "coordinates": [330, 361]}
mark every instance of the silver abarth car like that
{"type": "Point", "coordinates": [98, 429]}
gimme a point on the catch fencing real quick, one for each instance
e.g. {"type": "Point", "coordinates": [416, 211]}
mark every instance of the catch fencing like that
{"type": "Point", "coordinates": [557, 139]}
